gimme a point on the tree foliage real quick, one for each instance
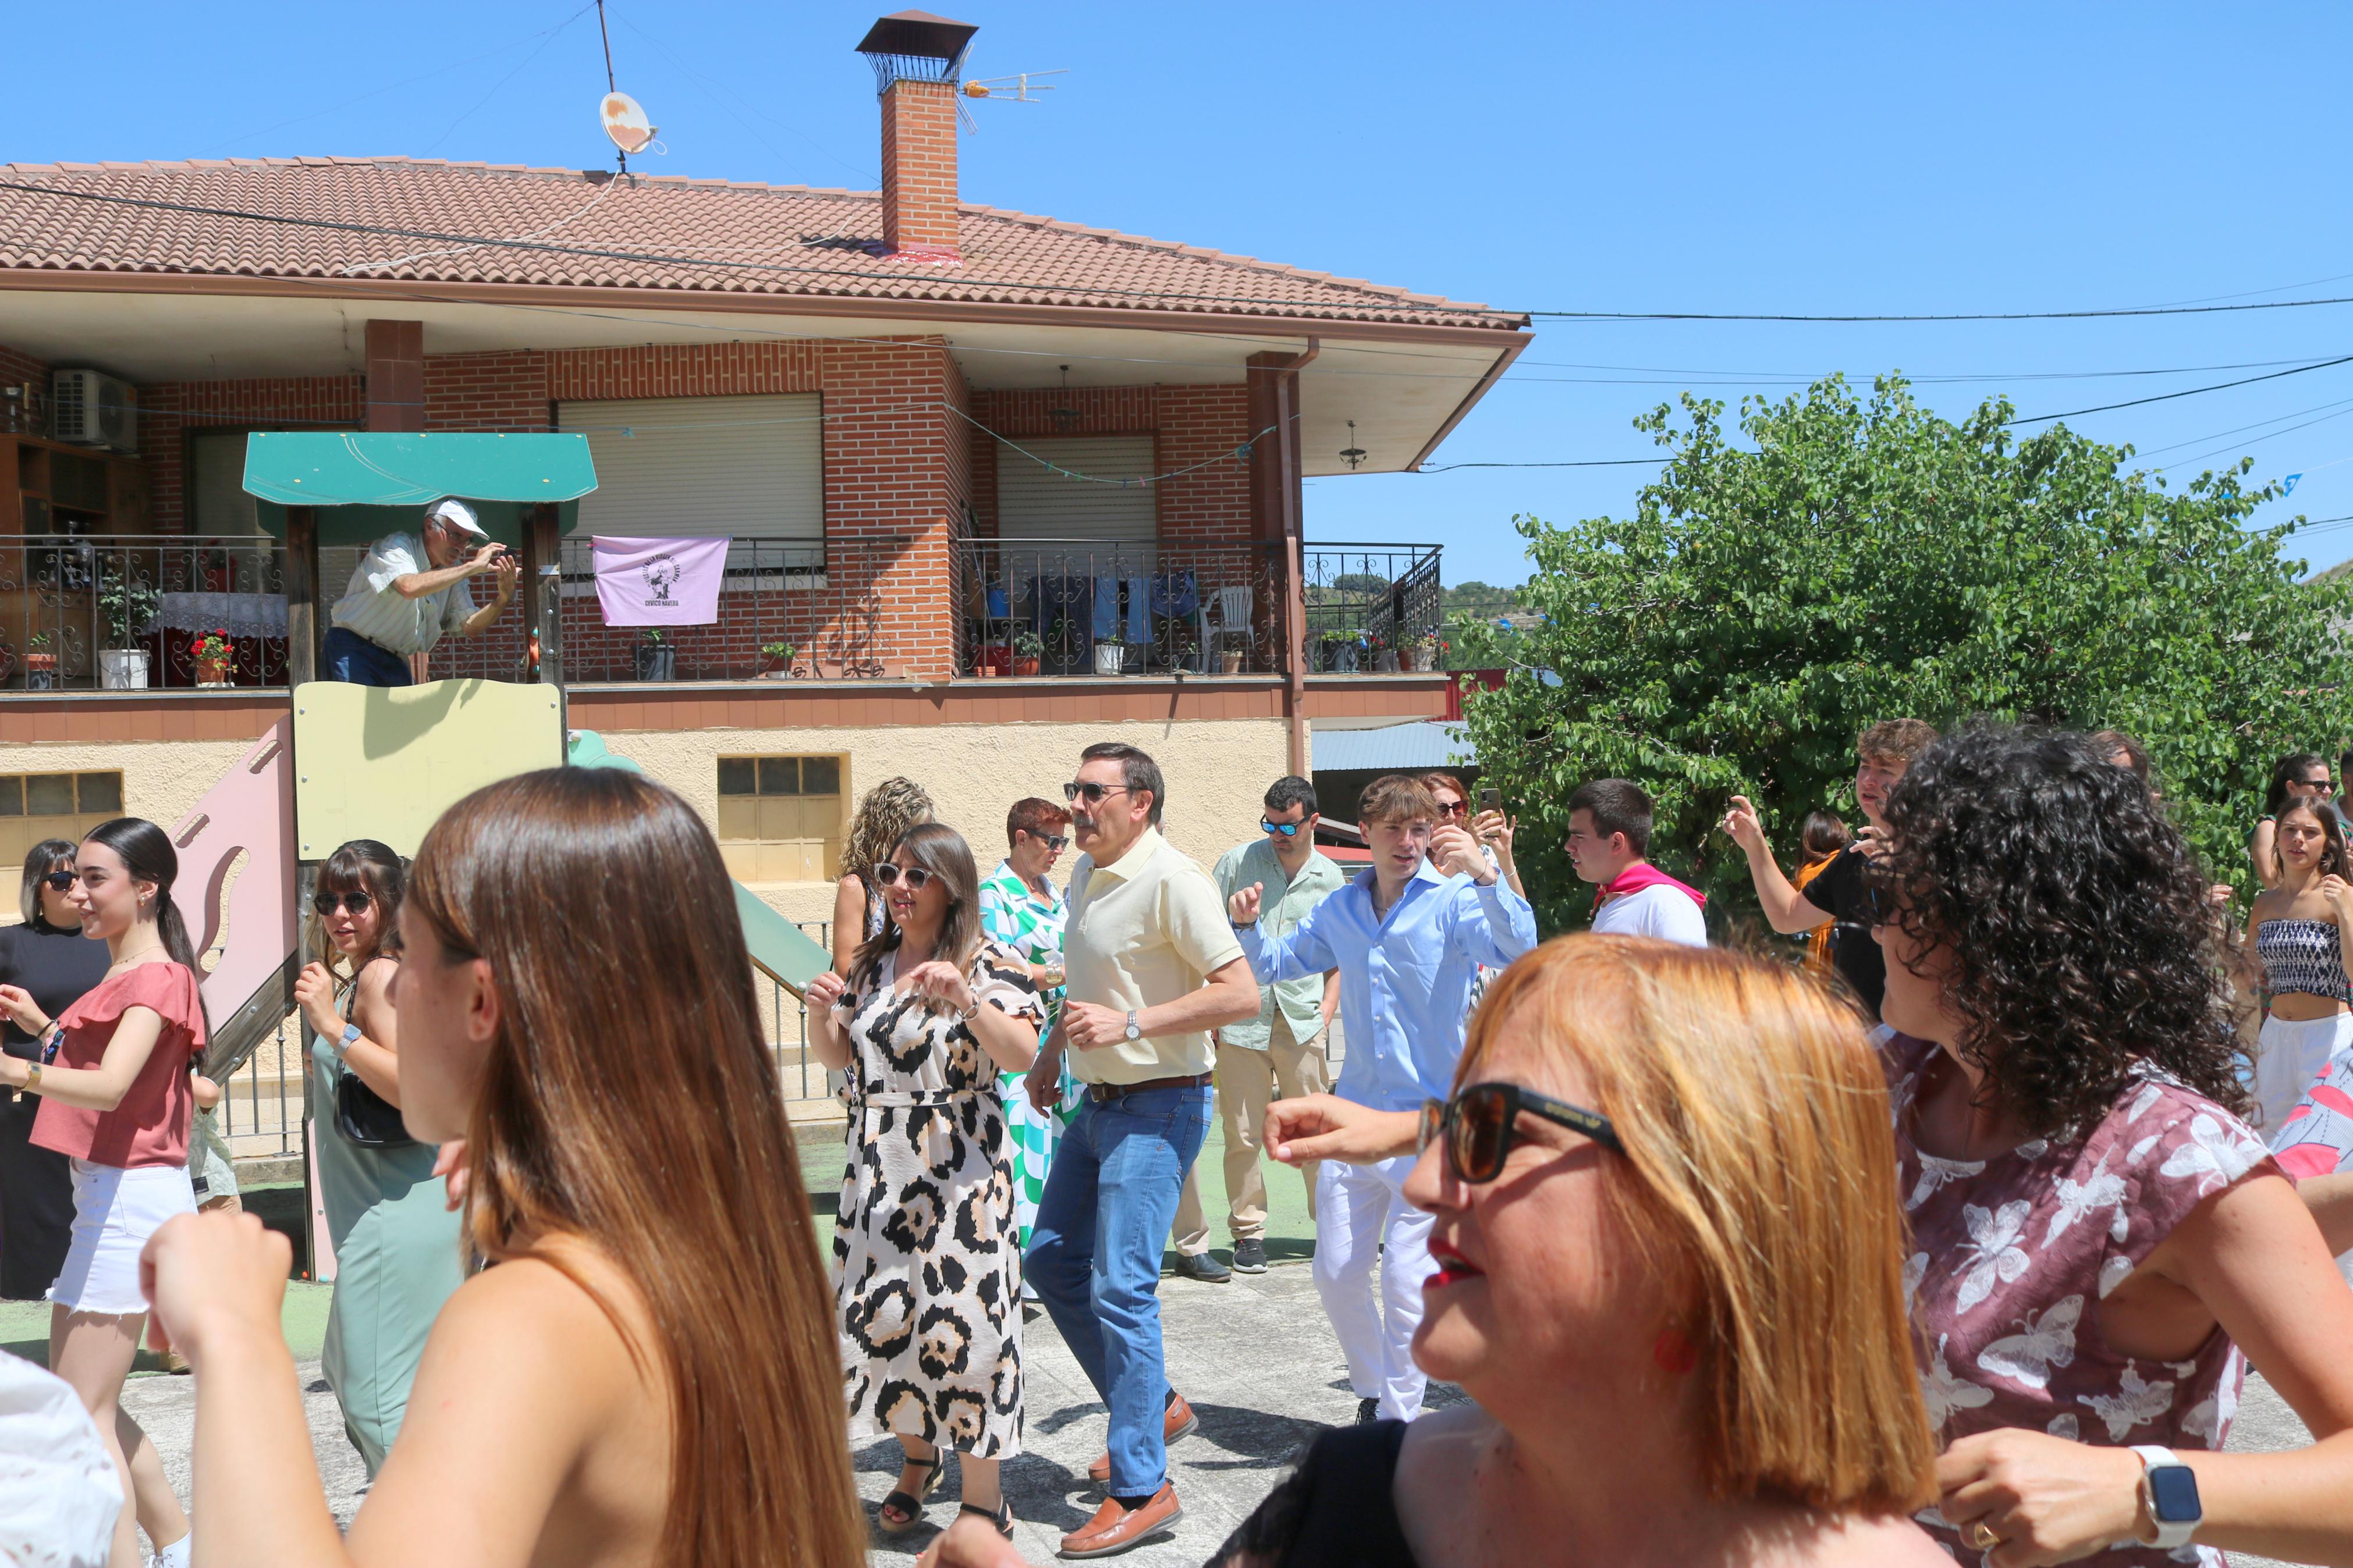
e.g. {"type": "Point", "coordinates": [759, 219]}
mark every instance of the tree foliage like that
{"type": "Point", "coordinates": [1869, 560]}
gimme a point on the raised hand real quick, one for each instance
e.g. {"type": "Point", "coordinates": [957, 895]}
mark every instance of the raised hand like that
{"type": "Point", "coordinates": [216, 1276]}
{"type": "Point", "coordinates": [314, 992]}
{"type": "Point", "coordinates": [1242, 907]}
{"type": "Point", "coordinates": [1457, 854]}
{"type": "Point", "coordinates": [486, 559]}
{"type": "Point", "coordinates": [941, 981]}
{"type": "Point", "coordinates": [18, 1004]}
{"type": "Point", "coordinates": [509, 573]}
{"type": "Point", "coordinates": [1742, 825]}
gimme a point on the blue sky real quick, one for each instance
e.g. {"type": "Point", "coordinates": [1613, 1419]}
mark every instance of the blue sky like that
{"type": "Point", "coordinates": [1709, 157]}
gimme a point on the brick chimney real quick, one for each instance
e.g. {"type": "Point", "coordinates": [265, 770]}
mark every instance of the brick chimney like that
{"type": "Point", "coordinates": [915, 56]}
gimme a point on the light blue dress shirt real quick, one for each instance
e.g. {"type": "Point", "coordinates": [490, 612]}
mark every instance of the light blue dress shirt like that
{"type": "Point", "coordinates": [1405, 982]}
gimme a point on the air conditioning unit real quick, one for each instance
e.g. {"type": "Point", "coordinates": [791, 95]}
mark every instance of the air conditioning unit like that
{"type": "Point", "coordinates": [91, 408]}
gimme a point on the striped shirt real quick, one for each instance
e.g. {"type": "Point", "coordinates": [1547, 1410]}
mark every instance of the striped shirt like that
{"type": "Point", "coordinates": [372, 608]}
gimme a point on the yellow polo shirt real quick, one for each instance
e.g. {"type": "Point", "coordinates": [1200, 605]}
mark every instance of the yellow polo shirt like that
{"type": "Point", "coordinates": [1145, 930]}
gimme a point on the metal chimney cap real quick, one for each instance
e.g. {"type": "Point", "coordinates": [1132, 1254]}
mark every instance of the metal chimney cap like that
{"type": "Point", "coordinates": [917, 45]}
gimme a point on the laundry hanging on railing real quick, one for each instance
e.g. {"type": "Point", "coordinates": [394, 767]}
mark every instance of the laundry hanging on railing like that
{"type": "Point", "coordinates": [659, 582]}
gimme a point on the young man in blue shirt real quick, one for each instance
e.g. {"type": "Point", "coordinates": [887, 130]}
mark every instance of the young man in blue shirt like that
{"type": "Point", "coordinates": [1407, 936]}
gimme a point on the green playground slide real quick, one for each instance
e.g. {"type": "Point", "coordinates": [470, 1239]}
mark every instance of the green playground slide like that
{"type": "Point", "coordinates": [780, 949]}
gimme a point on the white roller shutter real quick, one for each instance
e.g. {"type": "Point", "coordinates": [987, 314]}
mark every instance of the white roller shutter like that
{"type": "Point", "coordinates": [749, 467]}
{"type": "Point", "coordinates": [1034, 503]}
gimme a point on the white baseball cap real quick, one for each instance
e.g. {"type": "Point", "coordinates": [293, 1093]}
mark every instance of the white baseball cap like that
{"type": "Point", "coordinates": [457, 514]}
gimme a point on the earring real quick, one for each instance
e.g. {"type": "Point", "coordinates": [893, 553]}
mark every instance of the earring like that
{"type": "Point", "coordinates": [1674, 1353]}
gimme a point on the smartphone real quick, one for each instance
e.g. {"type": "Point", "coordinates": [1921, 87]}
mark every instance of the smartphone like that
{"type": "Point", "coordinates": [1490, 798]}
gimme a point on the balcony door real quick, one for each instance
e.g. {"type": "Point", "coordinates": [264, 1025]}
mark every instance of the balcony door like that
{"type": "Point", "coordinates": [1107, 515]}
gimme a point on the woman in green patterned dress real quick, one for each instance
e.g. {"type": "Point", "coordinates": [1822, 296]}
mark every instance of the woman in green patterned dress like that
{"type": "Point", "coordinates": [1019, 908]}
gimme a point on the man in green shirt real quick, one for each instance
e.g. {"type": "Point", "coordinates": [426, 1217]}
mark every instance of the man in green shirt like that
{"type": "Point", "coordinates": [1280, 1053]}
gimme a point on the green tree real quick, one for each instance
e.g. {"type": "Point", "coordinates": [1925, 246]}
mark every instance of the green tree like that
{"type": "Point", "coordinates": [1869, 560]}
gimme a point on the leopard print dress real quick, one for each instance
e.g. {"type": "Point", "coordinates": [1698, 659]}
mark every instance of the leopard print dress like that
{"type": "Point", "coordinates": [927, 1265]}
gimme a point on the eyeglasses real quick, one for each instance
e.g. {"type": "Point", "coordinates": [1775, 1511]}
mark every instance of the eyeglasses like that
{"type": "Point", "coordinates": [1056, 842]}
{"type": "Point", "coordinates": [1457, 808]}
{"type": "Point", "coordinates": [355, 903]}
{"type": "Point", "coordinates": [1288, 829]}
{"type": "Point", "coordinates": [1481, 1123]}
{"type": "Point", "coordinates": [1093, 791]}
{"type": "Point", "coordinates": [888, 873]}
{"type": "Point", "coordinates": [59, 882]}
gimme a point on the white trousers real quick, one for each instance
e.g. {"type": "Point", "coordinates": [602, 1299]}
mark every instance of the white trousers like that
{"type": "Point", "coordinates": [1360, 1210]}
{"type": "Point", "coordinates": [2290, 1058]}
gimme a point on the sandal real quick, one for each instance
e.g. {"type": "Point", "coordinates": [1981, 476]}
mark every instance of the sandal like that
{"type": "Point", "coordinates": [1001, 1516]}
{"type": "Point", "coordinates": [912, 1503]}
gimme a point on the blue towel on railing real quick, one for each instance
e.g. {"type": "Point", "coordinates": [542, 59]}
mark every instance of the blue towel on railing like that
{"type": "Point", "coordinates": [1107, 616]}
{"type": "Point", "coordinates": [1174, 594]}
{"type": "Point", "coordinates": [1053, 599]}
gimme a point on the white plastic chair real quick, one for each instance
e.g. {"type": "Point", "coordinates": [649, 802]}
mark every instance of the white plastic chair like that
{"type": "Point", "coordinates": [1226, 611]}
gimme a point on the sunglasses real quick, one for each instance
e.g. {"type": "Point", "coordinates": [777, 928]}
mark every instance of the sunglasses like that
{"type": "Point", "coordinates": [1056, 842]}
{"type": "Point", "coordinates": [1481, 1123]}
{"type": "Point", "coordinates": [1093, 791]}
{"type": "Point", "coordinates": [1459, 808]}
{"type": "Point", "coordinates": [59, 882]}
{"type": "Point", "coordinates": [1288, 829]}
{"type": "Point", "coordinates": [888, 873]}
{"type": "Point", "coordinates": [355, 903]}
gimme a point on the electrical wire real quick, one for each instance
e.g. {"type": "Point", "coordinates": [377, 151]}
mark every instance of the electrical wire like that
{"type": "Point", "coordinates": [553, 34]}
{"type": "Point", "coordinates": [2186, 391]}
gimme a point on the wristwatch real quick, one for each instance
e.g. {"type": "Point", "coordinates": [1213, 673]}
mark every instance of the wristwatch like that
{"type": "Point", "coordinates": [1134, 1030]}
{"type": "Point", "coordinates": [2168, 1494]}
{"type": "Point", "coordinates": [351, 1037]}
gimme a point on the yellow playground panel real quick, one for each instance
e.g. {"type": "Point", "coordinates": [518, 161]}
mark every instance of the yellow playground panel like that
{"type": "Point", "coordinates": [383, 761]}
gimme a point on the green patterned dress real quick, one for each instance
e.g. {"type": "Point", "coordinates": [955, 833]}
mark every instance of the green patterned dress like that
{"type": "Point", "coordinates": [1011, 912]}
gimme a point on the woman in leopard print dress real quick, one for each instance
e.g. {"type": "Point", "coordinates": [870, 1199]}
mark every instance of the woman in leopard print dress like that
{"type": "Point", "coordinates": [928, 1274]}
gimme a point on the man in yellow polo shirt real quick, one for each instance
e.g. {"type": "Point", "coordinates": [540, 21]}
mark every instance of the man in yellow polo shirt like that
{"type": "Point", "coordinates": [1152, 965]}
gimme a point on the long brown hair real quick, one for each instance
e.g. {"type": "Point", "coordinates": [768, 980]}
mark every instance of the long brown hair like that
{"type": "Point", "coordinates": [681, 1173]}
{"type": "Point", "coordinates": [940, 850]}
{"type": "Point", "coordinates": [2336, 858]}
{"type": "Point", "coordinates": [361, 866]}
{"type": "Point", "coordinates": [1760, 1163]}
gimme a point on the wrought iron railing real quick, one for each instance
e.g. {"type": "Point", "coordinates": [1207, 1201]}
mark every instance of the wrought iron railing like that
{"type": "Point", "coordinates": [1372, 606]}
{"type": "Point", "coordinates": [80, 613]}
{"type": "Point", "coordinates": [1067, 607]}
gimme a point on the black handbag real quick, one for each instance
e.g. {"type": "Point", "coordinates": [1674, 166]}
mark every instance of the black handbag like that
{"type": "Point", "coordinates": [365, 1117]}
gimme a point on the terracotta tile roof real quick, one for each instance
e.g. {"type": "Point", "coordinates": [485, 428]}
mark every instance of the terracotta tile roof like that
{"type": "Point", "coordinates": [669, 233]}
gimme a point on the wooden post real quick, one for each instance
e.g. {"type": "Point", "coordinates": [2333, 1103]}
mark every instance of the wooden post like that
{"type": "Point", "coordinates": [303, 632]}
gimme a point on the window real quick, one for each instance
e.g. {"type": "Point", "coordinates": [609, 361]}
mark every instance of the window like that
{"type": "Point", "coordinates": [780, 818]}
{"type": "Point", "coordinates": [34, 806]}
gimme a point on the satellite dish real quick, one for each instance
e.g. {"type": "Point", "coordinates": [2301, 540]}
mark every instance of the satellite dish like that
{"type": "Point", "coordinates": [626, 123]}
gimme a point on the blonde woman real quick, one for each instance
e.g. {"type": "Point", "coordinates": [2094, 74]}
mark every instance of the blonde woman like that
{"type": "Point", "coordinates": [884, 815]}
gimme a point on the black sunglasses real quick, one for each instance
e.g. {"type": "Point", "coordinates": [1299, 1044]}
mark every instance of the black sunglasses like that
{"type": "Point", "coordinates": [1288, 829]}
{"type": "Point", "coordinates": [355, 903]}
{"type": "Point", "coordinates": [1454, 808]}
{"type": "Point", "coordinates": [1056, 842]}
{"type": "Point", "coordinates": [59, 882]}
{"type": "Point", "coordinates": [888, 873]}
{"type": "Point", "coordinates": [1093, 791]}
{"type": "Point", "coordinates": [1481, 1123]}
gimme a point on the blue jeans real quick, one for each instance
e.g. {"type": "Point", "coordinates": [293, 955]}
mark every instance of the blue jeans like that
{"type": "Point", "coordinates": [347, 655]}
{"type": "Point", "coordinates": [1095, 1259]}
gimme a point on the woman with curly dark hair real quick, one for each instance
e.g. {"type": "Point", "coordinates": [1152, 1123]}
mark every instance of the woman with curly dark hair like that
{"type": "Point", "coordinates": [2096, 1233]}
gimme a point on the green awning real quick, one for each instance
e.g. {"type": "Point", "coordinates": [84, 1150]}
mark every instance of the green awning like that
{"type": "Point", "coordinates": [367, 484]}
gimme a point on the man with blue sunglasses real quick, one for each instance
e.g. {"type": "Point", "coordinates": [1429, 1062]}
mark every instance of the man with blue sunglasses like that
{"type": "Point", "coordinates": [1280, 1053]}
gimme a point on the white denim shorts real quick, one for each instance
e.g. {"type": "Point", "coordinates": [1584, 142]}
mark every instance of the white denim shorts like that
{"type": "Point", "coordinates": [115, 1213]}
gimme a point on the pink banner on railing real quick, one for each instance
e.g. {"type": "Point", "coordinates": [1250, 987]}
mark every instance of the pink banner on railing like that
{"type": "Point", "coordinates": [659, 582]}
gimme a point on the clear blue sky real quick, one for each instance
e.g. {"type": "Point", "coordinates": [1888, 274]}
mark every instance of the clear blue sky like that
{"type": "Point", "coordinates": [1713, 157]}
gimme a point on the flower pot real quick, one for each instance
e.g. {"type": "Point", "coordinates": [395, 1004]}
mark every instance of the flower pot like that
{"type": "Point", "coordinates": [994, 658]}
{"type": "Point", "coordinates": [40, 672]}
{"type": "Point", "coordinates": [984, 672]}
{"type": "Point", "coordinates": [1110, 657]}
{"type": "Point", "coordinates": [657, 661]}
{"type": "Point", "coordinates": [1024, 665]}
{"type": "Point", "coordinates": [1425, 661]}
{"type": "Point", "coordinates": [122, 668]}
{"type": "Point", "coordinates": [212, 669]}
{"type": "Point", "coordinates": [1384, 662]}
{"type": "Point", "coordinates": [1229, 662]}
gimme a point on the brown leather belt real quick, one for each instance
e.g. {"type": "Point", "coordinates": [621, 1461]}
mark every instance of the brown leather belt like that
{"type": "Point", "coordinates": [1099, 1092]}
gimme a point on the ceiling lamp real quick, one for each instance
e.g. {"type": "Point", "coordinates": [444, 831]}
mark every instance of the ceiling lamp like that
{"type": "Point", "coordinates": [1352, 454]}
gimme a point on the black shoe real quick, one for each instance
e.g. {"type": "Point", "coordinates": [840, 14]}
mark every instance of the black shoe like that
{"type": "Point", "coordinates": [1250, 1256]}
{"type": "Point", "coordinates": [1368, 1411]}
{"type": "Point", "coordinates": [1202, 1266]}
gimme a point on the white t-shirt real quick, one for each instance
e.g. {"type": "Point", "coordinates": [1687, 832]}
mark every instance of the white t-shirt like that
{"type": "Point", "coordinates": [1657, 911]}
{"type": "Point", "coordinates": [372, 609]}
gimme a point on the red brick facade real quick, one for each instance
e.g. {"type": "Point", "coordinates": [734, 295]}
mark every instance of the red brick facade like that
{"type": "Point", "coordinates": [919, 168]}
{"type": "Point", "coordinates": [167, 410]}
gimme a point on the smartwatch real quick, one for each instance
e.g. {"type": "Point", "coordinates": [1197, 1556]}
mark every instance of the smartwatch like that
{"type": "Point", "coordinates": [343, 1047]}
{"type": "Point", "coordinates": [1134, 1030]}
{"type": "Point", "coordinates": [2169, 1495]}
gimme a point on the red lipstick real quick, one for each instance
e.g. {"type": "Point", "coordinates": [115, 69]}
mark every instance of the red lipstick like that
{"type": "Point", "coordinates": [1453, 1268]}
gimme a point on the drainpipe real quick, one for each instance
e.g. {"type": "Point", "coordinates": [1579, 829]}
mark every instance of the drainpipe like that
{"type": "Point", "coordinates": [1295, 570]}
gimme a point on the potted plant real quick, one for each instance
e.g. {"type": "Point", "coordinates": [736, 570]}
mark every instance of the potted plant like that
{"type": "Point", "coordinates": [657, 657]}
{"type": "Point", "coordinates": [1428, 648]}
{"type": "Point", "coordinates": [129, 608]}
{"type": "Point", "coordinates": [1229, 661]}
{"type": "Point", "coordinates": [40, 664]}
{"type": "Point", "coordinates": [212, 651]}
{"type": "Point", "coordinates": [1111, 655]}
{"type": "Point", "coordinates": [1385, 657]}
{"type": "Point", "coordinates": [1029, 647]}
{"type": "Point", "coordinates": [777, 659]}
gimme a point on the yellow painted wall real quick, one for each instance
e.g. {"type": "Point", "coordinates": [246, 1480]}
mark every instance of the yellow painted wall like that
{"type": "Point", "coordinates": [162, 780]}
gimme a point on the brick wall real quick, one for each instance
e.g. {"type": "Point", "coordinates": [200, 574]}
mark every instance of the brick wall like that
{"type": "Point", "coordinates": [168, 410]}
{"type": "Point", "coordinates": [15, 369]}
{"type": "Point", "coordinates": [919, 167]}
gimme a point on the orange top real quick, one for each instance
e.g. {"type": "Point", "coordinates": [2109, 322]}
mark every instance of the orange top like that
{"type": "Point", "coordinates": [151, 1126]}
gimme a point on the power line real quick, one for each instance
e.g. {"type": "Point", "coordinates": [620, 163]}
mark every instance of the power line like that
{"type": "Point", "coordinates": [2186, 391]}
{"type": "Point", "coordinates": [1948, 316]}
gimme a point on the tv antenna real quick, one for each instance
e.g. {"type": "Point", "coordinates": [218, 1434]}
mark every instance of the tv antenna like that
{"type": "Point", "coordinates": [1019, 87]}
{"type": "Point", "coordinates": [623, 120]}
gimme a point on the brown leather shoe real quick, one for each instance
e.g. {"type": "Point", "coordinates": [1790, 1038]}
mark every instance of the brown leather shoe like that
{"type": "Point", "coordinates": [1114, 1529]}
{"type": "Point", "coordinates": [1178, 1421]}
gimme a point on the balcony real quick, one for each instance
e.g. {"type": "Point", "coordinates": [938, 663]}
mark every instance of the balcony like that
{"type": "Point", "coordinates": [182, 613]}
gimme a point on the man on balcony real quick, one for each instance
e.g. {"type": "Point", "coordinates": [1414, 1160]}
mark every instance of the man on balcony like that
{"type": "Point", "coordinates": [408, 591]}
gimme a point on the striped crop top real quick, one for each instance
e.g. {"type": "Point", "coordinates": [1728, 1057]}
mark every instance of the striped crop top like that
{"type": "Point", "coordinates": [2303, 956]}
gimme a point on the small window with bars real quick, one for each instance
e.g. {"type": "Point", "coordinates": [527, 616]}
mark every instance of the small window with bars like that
{"type": "Point", "coordinates": [780, 818]}
{"type": "Point", "coordinates": [34, 806]}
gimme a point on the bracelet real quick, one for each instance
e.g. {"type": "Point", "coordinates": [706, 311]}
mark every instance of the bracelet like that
{"type": "Point", "coordinates": [32, 1078]}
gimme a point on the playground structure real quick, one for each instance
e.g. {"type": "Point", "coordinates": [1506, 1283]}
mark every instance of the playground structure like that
{"type": "Point", "coordinates": [351, 762]}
